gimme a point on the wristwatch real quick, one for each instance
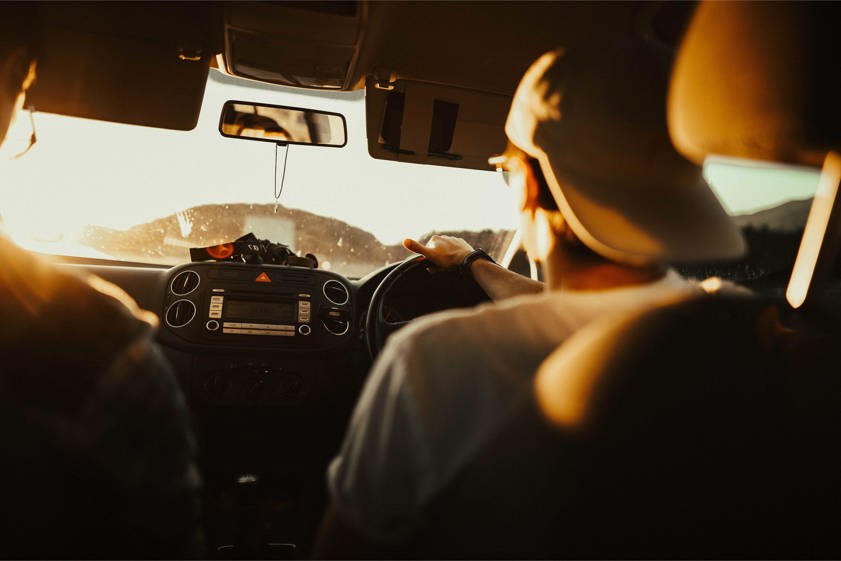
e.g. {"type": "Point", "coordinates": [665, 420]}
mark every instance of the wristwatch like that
{"type": "Point", "coordinates": [477, 253]}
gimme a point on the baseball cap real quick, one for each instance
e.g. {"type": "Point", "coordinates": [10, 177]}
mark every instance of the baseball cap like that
{"type": "Point", "coordinates": [595, 119]}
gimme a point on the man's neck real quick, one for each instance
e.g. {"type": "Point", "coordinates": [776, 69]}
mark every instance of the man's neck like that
{"type": "Point", "coordinates": [565, 270]}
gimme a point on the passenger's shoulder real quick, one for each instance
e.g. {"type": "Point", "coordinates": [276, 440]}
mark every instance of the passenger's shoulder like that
{"type": "Point", "coordinates": [100, 307]}
{"type": "Point", "coordinates": [73, 344]}
{"type": "Point", "coordinates": [62, 325]}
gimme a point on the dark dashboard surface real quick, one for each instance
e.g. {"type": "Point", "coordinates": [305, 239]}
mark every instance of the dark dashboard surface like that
{"type": "Point", "coordinates": [245, 336]}
{"type": "Point", "coordinates": [258, 299]}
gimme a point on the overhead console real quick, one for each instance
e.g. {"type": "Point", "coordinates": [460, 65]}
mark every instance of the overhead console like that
{"type": "Point", "coordinates": [231, 306]}
{"type": "Point", "coordinates": [302, 44]}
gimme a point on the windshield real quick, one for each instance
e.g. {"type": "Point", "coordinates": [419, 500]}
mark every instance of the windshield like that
{"type": "Point", "coordinates": [97, 189]}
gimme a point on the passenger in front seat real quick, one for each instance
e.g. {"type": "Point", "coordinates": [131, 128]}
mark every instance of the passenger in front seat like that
{"type": "Point", "coordinates": [98, 456]}
{"type": "Point", "coordinates": [605, 202]}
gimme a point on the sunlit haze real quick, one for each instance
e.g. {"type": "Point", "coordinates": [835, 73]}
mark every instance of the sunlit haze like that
{"type": "Point", "coordinates": [85, 172]}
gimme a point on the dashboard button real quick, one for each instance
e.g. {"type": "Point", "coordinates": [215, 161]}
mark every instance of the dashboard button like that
{"type": "Point", "coordinates": [304, 329]}
{"type": "Point", "coordinates": [212, 325]}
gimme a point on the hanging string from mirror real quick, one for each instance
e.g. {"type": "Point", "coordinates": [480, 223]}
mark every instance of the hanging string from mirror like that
{"type": "Point", "coordinates": [277, 192]}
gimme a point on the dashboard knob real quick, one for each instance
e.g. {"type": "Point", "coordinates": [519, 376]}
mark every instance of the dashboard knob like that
{"type": "Point", "coordinates": [212, 325]}
{"type": "Point", "coordinates": [304, 329]}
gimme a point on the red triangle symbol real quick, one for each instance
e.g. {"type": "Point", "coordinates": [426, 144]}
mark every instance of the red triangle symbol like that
{"type": "Point", "coordinates": [262, 277]}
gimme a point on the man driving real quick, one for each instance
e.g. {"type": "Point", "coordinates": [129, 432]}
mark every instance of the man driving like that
{"type": "Point", "coordinates": [605, 203]}
{"type": "Point", "coordinates": [99, 457]}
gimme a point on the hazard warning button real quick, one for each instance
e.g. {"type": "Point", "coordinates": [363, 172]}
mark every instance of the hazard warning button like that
{"type": "Point", "coordinates": [263, 277]}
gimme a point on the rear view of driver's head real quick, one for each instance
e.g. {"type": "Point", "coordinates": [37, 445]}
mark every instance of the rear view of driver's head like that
{"type": "Point", "coordinates": [595, 119]}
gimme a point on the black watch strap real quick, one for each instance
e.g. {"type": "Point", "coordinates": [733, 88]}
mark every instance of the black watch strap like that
{"type": "Point", "coordinates": [477, 253]}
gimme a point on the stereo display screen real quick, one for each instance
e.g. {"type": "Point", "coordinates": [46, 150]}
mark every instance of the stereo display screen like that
{"type": "Point", "coordinates": [269, 312]}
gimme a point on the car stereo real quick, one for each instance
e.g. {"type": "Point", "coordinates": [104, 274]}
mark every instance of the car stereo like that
{"type": "Point", "coordinates": [241, 305]}
{"type": "Point", "coordinates": [240, 313]}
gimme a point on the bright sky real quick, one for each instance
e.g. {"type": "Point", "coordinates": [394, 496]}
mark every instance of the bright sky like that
{"type": "Point", "coordinates": [745, 186]}
{"type": "Point", "coordinates": [91, 172]}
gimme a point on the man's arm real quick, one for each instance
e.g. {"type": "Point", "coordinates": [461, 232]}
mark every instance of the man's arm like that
{"type": "Point", "coordinates": [447, 252]}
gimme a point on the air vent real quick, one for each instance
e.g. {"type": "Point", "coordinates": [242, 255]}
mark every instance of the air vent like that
{"type": "Point", "coordinates": [336, 326]}
{"type": "Point", "coordinates": [336, 292]}
{"type": "Point", "coordinates": [300, 279]}
{"type": "Point", "coordinates": [289, 274]}
{"type": "Point", "coordinates": [184, 282]}
{"type": "Point", "coordinates": [180, 313]}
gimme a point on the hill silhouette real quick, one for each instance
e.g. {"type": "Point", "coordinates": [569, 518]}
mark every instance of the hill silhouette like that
{"type": "Point", "coordinates": [788, 217]}
{"type": "Point", "coordinates": [773, 238]}
{"type": "Point", "coordinates": [338, 245]}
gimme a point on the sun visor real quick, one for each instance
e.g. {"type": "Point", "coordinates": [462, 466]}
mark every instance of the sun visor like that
{"type": "Point", "coordinates": [139, 65]}
{"type": "Point", "coordinates": [757, 80]}
{"type": "Point", "coordinates": [426, 123]}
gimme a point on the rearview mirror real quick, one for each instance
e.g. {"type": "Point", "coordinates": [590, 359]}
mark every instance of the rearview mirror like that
{"type": "Point", "coordinates": [284, 125]}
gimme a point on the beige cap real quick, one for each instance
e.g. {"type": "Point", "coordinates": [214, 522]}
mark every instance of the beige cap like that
{"type": "Point", "coordinates": [596, 121]}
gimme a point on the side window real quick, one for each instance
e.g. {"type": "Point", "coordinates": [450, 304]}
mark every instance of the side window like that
{"type": "Point", "coordinates": [770, 203]}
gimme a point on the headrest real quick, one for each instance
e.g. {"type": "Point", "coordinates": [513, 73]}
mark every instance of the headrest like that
{"type": "Point", "coordinates": [757, 80]}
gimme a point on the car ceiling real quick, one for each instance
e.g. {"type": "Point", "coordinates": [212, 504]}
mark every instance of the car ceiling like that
{"type": "Point", "coordinates": [147, 63]}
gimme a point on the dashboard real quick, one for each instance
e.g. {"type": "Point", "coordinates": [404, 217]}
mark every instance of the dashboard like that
{"type": "Point", "coordinates": [262, 335]}
{"type": "Point", "coordinates": [254, 337]}
{"type": "Point", "coordinates": [276, 336]}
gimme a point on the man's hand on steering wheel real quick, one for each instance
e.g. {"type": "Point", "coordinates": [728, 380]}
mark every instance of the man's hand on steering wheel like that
{"type": "Point", "coordinates": [443, 252]}
{"type": "Point", "coordinates": [448, 253]}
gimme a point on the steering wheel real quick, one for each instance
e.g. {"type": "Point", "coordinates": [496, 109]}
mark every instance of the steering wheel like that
{"type": "Point", "coordinates": [464, 292]}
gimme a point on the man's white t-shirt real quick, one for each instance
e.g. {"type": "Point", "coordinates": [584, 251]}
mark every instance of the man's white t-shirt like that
{"type": "Point", "coordinates": [445, 384]}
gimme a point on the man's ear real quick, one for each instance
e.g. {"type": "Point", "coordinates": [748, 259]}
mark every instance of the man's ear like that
{"type": "Point", "coordinates": [30, 75]}
{"type": "Point", "coordinates": [531, 188]}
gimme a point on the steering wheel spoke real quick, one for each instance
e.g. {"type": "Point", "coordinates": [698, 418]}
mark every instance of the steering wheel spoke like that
{"type": "Point", "coordinates": [394, 325]}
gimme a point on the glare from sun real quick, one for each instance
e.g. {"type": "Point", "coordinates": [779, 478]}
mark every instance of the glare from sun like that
{"type": "Point", "coordinates": [84, 172]}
